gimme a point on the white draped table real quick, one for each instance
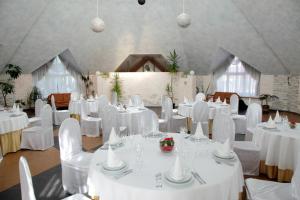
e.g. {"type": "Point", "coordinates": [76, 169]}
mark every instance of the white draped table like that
{"type": "Point", "coordinates": [131, 118]}
{"type": "Point", "coordinates": [186, 110]}
{"type": "Point", "coordinates": [11, 125]}
{"type": "Point", "coordinates": [279, 150]}
{"type": "Point", "coordinates": [223, 182]}
{"type": "Point", "coordinates": [75, 108]}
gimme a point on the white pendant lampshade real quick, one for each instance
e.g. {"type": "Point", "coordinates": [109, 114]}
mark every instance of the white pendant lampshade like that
{"type": "Point", "coordinates": [97, 25]}
{"type": "Point", "coordinates": [183, 20]}
{"type": "Point", "coordinates": [192, 72]}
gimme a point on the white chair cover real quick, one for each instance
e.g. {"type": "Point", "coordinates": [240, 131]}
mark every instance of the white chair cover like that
{"type": "Point", "coordinates": [58, 115]}
{"type": "Point", "coordinates": [223, 128]}
{"type": "Point", "coordinates": [39, 137]}
{"type": "Point", "coordinates": [102, 103]}
{"type": "Point", "coordinates": [137, 101]}
{"type": "Point", "coordinates": [234, 104]}
{"type": "Point", "coordinates": [75, 96]}
{"type": "Point", "coordinates": [200, 114]}
{"type": "Point", "coordinates": [296, 180]}
{"type": "Point", "coordinates": [27, 190]}
{"type": "Point", "coordinates": [254, 117]}
{"type": "Point", "coordinates": [74, 162]}
{"type": "Point", "coordinates": [149, 122]}
{"type": "Point", "coordinates": [172, 122]}
{"type": "Point", "coordinates": [90, 126]}
{"type": "Point", "coordinates": [163, 107]}
{"type": "Point", "coordinates": [38, 105]}
{"type": "Point", "coordinates": [110, 120]}
{"type": "Point", "coordinates": [114, 98]}
{"type": "Point", "coordinates": [200, 97]}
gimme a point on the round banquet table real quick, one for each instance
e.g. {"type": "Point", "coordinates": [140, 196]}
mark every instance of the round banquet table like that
{"type": "Point", "coordinates": [130, 118]}
{"type": "Point", "coordinates": [75, 107]}
{"type": "Point", "coordinates": [279, 150]}
{"type": "Point", "coordinates": [11, 125]}
{"type": "Point", "coordinates": [223, 182]}
{"type": "Point", "coordinates": [186, 110]}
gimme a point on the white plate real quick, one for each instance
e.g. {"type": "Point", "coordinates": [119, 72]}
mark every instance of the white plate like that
{"type": "Point", "coordinates": [117, 144]}
{"type": "Point", "coordinates": [229, 156]}
{"type": "Point", "coordinates": [192, 138]}
{"type": "Point", "coordinates": [186, 179]}
{"type": "Point", "coordinates": [268, 127]}
{"type": "Point", "coordinates": [107, 168]}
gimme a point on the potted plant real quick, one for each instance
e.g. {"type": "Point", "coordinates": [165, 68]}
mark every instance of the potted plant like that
{"type": "Point", "coordinates": [33, 96]}
{"type": "Point", "coordinates": [11, 73]}
{"type": "Point", "coordinates": [117, 86]}
{"type": "Point", "coordinates": [173, 67]}
{"type": "Point", "coordinates": [265, 99]}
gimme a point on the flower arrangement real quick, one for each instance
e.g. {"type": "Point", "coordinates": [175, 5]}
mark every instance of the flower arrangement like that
{"type": "Point", "coordinates": [166, 144]}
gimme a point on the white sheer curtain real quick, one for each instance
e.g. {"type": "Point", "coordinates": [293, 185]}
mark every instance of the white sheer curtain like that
{"type": "Point", "coordinates": [238, 77]}
{"type": "Point", "coordinates": [56, 77]}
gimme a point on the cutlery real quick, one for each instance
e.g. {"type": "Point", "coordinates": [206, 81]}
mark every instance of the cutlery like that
{"type": "Point", "coordinates": [198, 177]}
{"type": "Point", "coordinates": [124, 173]}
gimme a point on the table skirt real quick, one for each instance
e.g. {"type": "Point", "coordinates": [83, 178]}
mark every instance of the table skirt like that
{"type": "Point", "coordinates": [10, 142]}
{"type": "Point", "coordinates": [75, 116]}
{"type": "Point", "coordinates": [273, 172]}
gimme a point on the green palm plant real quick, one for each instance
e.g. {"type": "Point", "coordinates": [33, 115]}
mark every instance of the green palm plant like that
{"type": "Point", "coordinates": [173, 67]}
{"type": "Point", "coordinates": [117, 88]}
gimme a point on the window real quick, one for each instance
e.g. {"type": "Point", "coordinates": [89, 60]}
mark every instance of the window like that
{"type": "Point", "coordinates": [239, 78]}
{"type": "Point", "coordinates": [57, 79]}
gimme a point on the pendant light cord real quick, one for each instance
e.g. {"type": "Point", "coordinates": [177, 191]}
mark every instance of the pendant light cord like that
{"type": "Point", "coordinates": [183, 6]}
{"type": "Point", "coordinates": [97, 8]}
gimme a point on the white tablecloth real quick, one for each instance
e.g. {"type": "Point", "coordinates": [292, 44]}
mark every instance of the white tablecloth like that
{"type": "Point", "coordinates": [131, 119]}
{"type": "Point", "coordinates": [187, 109]}
{"type": "Point", "coordinates": [75, 106]}
{"type": "Point", "coordinates": [9, 122]}
{"type": "Point", "coordinates": [279, 147]}
{"type": "Point", "coordinates": [223, 182]}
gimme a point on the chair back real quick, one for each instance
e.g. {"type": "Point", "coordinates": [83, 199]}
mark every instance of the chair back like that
{"type": "Point", "coordinates": [200, 112]}
{"type": "Point", "coordinates": [69, 136]}
{"type": "Point", "coordinates": [200, 97]}
{"type": "Point", "coordinates": [149, 122]}
{"type": "Point", "coordinates": [74, 96]}
{"type": "Point", "coordinates": [168, 112]}
{"type": "Point", "coordinates": [38, 105]}
{"type": "Point", "coordinates": [110, 120]}
{"type": "Point", "coordinates": [223, 128]}
{"type": "Point", "coordinates": [114, 98]}
{"type": "Point", "coordinates": [102, 103]}
{"type": "Point", "coordinates": [84, 109]}
{"type": "Point", "coordinates": [53, 103]}
{"type": "Point", "coordinates": [296, 180]}
{"type": "Point", "coordinates": [46, 116]}
{"type": "Point", "coordinates": [254, 115]}
{"type": "Point", "coordinates": [136, 100]}
{"type": "Point", "coordinates": [163, 106]}
{"type": "Point", "coordinates": [27, 191]}
{"type": "Point", "coordinates": [234, 103]}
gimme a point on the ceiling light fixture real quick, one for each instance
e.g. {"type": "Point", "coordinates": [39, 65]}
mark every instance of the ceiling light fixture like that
{"type": "Point", "coordinates": [97, 24]}
{"type": "Point", "coordinates": [183, 20]}
{"type": "Point", "coordinates": [141, 2]}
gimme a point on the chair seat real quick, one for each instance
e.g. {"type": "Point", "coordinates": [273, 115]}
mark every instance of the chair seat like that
{"type": "Point", "coordinates": [95, 119]}
{"type": "Point", "coordinates": [268, 190]}
{"type": "Point", "coordinates": [34, 119]}
{"type": "Point", "coordinates": [81, 161]}
{"type": "Point", "coordinates": [178, 117]}
{"type": "Point", "coordinates": [162, 121]}
{"type": "Point", "coordinates": [245, 145]}
{"type": "Point", "coordinates": [62, 111]}
{"type": "Point", "coordinates": [175, 111]}
{"type": "Point", "coordinates": [76, 197]}
{"type": "Point", "coordinates": [32, 129]}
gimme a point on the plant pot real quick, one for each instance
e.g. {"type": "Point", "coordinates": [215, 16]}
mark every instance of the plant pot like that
{"type": "Point", "coordinates": [265, 108]}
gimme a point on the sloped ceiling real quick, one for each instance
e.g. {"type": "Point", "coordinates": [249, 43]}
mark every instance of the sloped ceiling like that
{"type": "Point", "coordinates": [265, 33]}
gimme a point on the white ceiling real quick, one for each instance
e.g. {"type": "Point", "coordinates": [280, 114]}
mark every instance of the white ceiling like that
{"type": "Point", "coordinates": [264, 33]}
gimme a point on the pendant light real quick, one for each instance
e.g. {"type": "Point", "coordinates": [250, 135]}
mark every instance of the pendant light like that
{"type": "Point", "coordinates": [183, 20]}
{"type": "Point", "coordinates": [141, 2]}
{"type": "Point", "coordinates": [97, 24]}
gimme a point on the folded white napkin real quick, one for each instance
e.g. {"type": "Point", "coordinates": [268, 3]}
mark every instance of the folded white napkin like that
{"type": "Point", "coordinates": [271, 123]}
{"type": "Point", "coordinates": [225, 148]}
{"type": "Point", "coordinates": [14, 108]}
{"type": "Point", "coordinates": [112, 159]}
{"type": "Point", "coordinates": [176, 171]}
{"type": "Point", "coordinates": [18, 109]}
{"type": "Point", "coordinates": [224, 102]}
{"type": "Point", "coordinates": [129, 102]}
{"type": "Point", "coordinates": [185, 100]}
{"type": "Point", "coordinates": [96, 97]}
{"type": "Point", "coordinates": [142, 105]}
{"type": "Point", "coordinates": [113, 138]}
{"type": "Point", "coordinates": [81, 97]}
{"type": "Point", "coordinates": [199, 132]}
{"type": "Point", "coordinates": [277, 118]}
{"type": "Point", "coordinates": [218, 100]}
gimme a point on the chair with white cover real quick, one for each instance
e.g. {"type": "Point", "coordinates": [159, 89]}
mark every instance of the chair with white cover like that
{"type": "Point", "coordinates": [36, 120]}
{"type": "Point", "coordinates": [200, 114]}
{"type": "Point", "coordinates": [75, 96]}
{"type": "Point", "coordinates": [114, 98]}
{"type": "Point", "coordinates": [200, 97]}
{"type": "Point", "coordinates": [247, 151]}
{"type": "Point", "coordinates": [102, 103]}
{"type": "Point", "coordinates": [39, 137]}
{"type": "Point", "coordinates": [171, 122]}
{"type": "Point", "coordinates": [223, 128]}
{"type": "Point", "coordinates": [270, 190]}
{"type": "Point", "coordinates": [234, 104]}
{"type": "Point", "coordinates": [58, 115]}
{"type": "Point", "coordinates": [149, 123]}
{"type": "Point", "coordinates": [254, 117]}
{"type": "Point", "coordinates": [137, 101]}
{"type": "Point", "coordinates": [27, 190]}
{"type": "Point", "coordinates": [90, 126]}
{"type": "Point", "coordinates": [74, 162]}
{"type": "Point", "coordinates": [111, 119]}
